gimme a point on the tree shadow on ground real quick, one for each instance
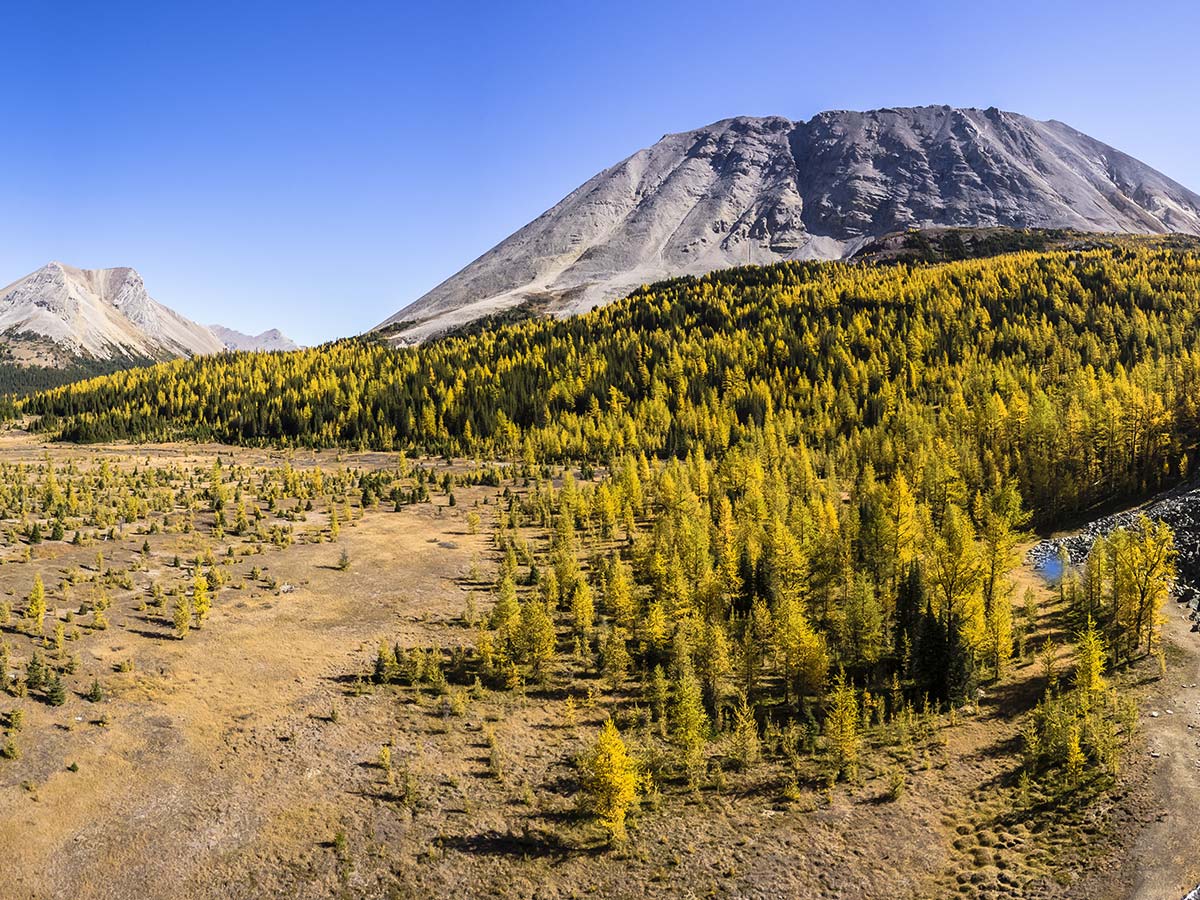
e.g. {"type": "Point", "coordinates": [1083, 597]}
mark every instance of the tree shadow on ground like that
{"type": "Point", "coordinates": [531, 843]}
{"type": "Point", "coordinates": [153, 635]}
{"type": "Point", "coordinates": [1013, 697]}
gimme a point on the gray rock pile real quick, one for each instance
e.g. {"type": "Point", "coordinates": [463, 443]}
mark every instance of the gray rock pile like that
{"type": "Point", "coordinates": [1179, 508]}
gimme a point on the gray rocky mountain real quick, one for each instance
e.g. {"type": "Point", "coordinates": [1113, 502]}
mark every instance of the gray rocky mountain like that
{"type": "Point", "coordinates": [61, 315]}
{"type": "Point", "coordinates": [762, 190]}
{"type": "Point", "coordinates": [268, 340]}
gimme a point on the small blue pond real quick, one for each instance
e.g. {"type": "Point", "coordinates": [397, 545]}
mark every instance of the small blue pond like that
{"type": "Point", "coordinates": [1050, 568]}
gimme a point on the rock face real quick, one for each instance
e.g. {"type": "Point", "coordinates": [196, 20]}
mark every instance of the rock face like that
{"type": "Point", "coordinates": [268, 340]}
{"type": "Point", "coordinates": [762, 190]}
{"type": "Point", "coordinates": [60, 314]}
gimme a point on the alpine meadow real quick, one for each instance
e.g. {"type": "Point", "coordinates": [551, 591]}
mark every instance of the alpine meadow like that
{"type": "Point", "coordinates": [800, 507]}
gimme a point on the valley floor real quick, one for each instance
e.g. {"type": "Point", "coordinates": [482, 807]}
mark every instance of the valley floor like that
{"type": "Point", "coordinates": [242, 760]}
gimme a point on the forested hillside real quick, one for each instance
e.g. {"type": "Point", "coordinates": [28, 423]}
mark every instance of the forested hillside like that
{"type": "Point", "coordinates": [20, 380]}
{"type": "Point", "coordinates": [792, 505]}
{"type": "Point", "coordinates": [1072, 375]}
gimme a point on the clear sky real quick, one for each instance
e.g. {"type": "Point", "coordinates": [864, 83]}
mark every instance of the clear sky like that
{"type": "Point", "coordinates": [317, 166]}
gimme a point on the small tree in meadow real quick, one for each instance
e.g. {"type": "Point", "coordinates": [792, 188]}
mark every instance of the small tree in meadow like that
{"type": "Point", "coordinates": [610, 781]}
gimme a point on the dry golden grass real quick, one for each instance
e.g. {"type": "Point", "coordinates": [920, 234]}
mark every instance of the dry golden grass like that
{"type": "Point", "coordinates": [242, 760]}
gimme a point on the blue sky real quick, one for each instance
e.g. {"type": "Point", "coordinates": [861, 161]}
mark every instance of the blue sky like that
{"type": "Point", "coordinates": [317, 166]}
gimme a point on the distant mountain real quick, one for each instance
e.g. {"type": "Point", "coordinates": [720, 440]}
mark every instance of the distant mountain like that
{"type": "Point", "coordinates": [61, 316]}
{"type": "Point", "coordinates": [767, 189]}
{"type": "Point", "coordinates": [268, 340]}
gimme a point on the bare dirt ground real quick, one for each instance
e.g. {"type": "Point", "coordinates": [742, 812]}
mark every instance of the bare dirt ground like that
{"type": "Point", "coordinates": [240, 761]}
{"type": "Point", "coordinates": [1171, 840]}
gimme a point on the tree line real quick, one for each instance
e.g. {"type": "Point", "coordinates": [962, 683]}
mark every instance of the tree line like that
{"type": "Point", "coordinates": [1071, 374]}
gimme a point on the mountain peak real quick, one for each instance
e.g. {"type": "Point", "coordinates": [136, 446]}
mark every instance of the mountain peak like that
{"type": "Point", "coordinates": [60, 313]}
{"type": "Point", "coordinates": [765, 189]}
{"type": "Point", "coordinates": [272, 339]}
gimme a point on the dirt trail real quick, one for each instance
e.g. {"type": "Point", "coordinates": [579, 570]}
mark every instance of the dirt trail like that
{"type": "Point", "coordinates": [1172, 728]}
